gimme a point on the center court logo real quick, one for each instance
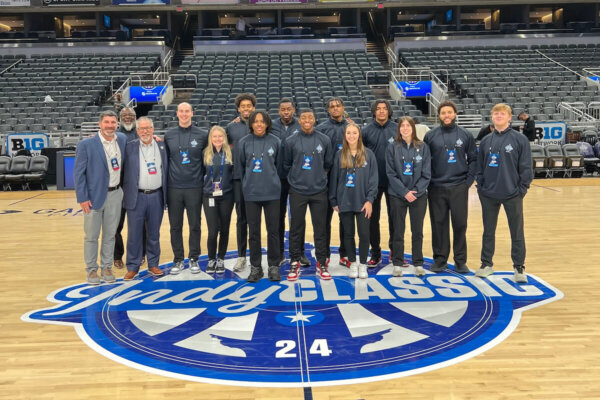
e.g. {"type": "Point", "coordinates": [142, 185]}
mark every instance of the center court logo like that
{"type": "Point", "coordinates": [220, 329]}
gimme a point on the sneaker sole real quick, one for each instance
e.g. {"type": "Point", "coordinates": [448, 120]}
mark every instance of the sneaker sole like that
{"type": "Point", "coordinates": [93, 283]}
{"type": "Point", "coordinates": [174, 272]}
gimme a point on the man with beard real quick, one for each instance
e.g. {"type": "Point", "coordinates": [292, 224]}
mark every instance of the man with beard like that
{"type": "Point", "coordinates": [453, 169]}
{"type": "Point", "coordinates": [334, 128]}
{"type": "Point", "coordinates": [284, 127]}
{"type": "Point", "coordinates": [126, 126]}
{"type": "Point", "coordinates": [245, 104]}
{"type": "Point", "coordinates": [377, 135]}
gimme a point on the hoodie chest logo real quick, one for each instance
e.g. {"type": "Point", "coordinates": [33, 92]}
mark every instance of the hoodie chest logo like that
{"type": "Point", "coordinates": [459, 143]}
{"type": "Point", "coordinates": [194, 143]}
{"type": "Point", "coordinates": [508, 148]}
{"type": "Point", "coordinates": [271, 151]}
{"type": "Point", "coordinates": [319, 149]}
{"type": "Point", "coordinates": [391, 140]}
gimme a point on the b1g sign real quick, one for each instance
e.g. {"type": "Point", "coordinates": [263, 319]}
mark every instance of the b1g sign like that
{"type": "Point", "coordinates": [220, 329]}
{"type": "Point", "coordinates": [34, 142]}
{"type": "Point", "coordinates": [554, 132]}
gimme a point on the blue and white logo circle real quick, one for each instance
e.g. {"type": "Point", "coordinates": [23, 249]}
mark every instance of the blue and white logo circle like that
{"type": "Point", "coordinates": [220, 329]}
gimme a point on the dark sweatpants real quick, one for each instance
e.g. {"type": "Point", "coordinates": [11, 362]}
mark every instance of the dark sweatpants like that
{"type": "Point", "coordinates": [218, 219]}
{"type": "Point", "coordinates": [318, 204]}
{"type": "Point", "coordinates": [253, 215]}
{"type": "Point", "coordinates": [447, 202]}
{"type": "Point", "coordinates": [241, 224]}
{"type": "Point", "coordinates": [416, 211]}
{"type": "Point", "coordinates": [514, 213]}
{"type": "Point", "coordinates": [375, 230]}
{"type": "Point", "coordinates": [362, 226]}
{"type": "Point", "coordinates": [190, 201]}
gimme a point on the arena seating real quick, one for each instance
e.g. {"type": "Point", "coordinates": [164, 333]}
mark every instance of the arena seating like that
{"type": "Point", "coordinates": [24, 171]}
{"type": "Point", "coordinates": [308, 77]}
{"type": "Point", "coordinates": [576, 57]}
{"type": "Point", "coordinates": [516, 75]}
{"type": "Point", "coordinates": [77, 84]}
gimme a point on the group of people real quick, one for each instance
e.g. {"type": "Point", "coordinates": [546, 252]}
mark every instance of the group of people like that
{"type": "Point", "coordinates": [257, 165]}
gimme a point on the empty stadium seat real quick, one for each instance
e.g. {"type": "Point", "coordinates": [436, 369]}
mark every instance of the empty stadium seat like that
{"type": "Point", "coordinates": [36, 173]}
{"type": "Point", "coordinates": [574, 160]}
{"type": "Point", "coordinates": [540, 161]}
{"type": "Point", "coordinates": [19, 165]}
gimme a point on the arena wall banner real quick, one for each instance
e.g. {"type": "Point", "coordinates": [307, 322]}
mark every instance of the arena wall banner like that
{"type": "Point", "coordinates": [209, 1]}
{"type": "Point", "coordinates": [277, 1]}
{"type": "Point", "coordinates": [71, 2]}
{"type": "Point", "coordinates": [346, 1]}
{"type": "Point", "coordinates": [34, 142]}
{"type": "Point", "coordinates": [140, 2]}
{"type": "Point", "coordinates": [555, 132]}
{"type": "Point", "coordinates": [15, 3]}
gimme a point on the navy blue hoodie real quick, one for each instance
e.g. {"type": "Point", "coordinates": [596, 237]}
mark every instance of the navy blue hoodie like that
{"type": "Point", "coordinates": [316, 145]}
{"type": "Point", "coordinates": [283, 131]}
{"type": "Point", "coordinates": [225, 179]}
{"type": "Point", "coordinates": [193, 140]}
{"type": "Point", "coordinates": [377, 138]}
{"type": "Point", "coordinates": [441, 139]}
{"type": "Point", "coordinates": [352, 199]}
{"type": "Point", "coordinates": [400, 184]}
{"type": "Point", "coordinates": [258, 186]}
{"type": "Point", "coordinates": [514, 173]}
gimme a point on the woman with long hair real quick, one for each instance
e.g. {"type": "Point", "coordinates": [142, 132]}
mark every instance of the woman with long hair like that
{"type": "Point", "coordinates": [408, 167]}
{"type": "Point", "coordinates": [353, 184]}
{"type": "Point", "coordinates": [218, 196]}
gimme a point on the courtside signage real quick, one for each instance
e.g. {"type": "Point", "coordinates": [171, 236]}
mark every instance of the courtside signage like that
{"type": "Point", "coordinates": [554, 132]}
{"type": "Point", "coordinates": [415, 89]}
{"type": "Point", "coordinates": [309, 333]}
{"type": "Point", "coordinates": [34, 142]}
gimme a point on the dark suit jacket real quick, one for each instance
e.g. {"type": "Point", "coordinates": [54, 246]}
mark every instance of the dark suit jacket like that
{"type": "Point", "coordinates": [90, 174]}
{"type": "Point", "coordinates": [131, 177]}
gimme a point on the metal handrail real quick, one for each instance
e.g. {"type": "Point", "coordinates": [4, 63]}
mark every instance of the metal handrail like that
{"type": "Point", "coordinates": [562, 65]}
{"type": "Point", "coordinates": [164, 89]}
{"type": "Point", "coordinates": [575, 111]}
{"type": "Point", "coordinates": [11, 66]}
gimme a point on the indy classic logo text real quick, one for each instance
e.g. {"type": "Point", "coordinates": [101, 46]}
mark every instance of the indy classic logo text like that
{"type": "Point", "coordinates": [220, 329]}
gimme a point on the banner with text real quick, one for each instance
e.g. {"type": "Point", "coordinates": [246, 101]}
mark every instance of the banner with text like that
{"type": "Point", "coordinates": [70, 2]}
{"type": "Point", "coordinates": [15, 3]}
{"type": "Point", "coordinates": [555, 132]}
{"type": "Point", "coordinates": [34, 142]}
{"type": "Point", "coordinates": [140, 2]}
{"type": "Point", "coordinates": [210, 1]}
{"type": "Point", "coordinates": [415, 89]}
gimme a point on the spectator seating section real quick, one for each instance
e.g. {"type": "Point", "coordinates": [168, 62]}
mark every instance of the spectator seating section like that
{"type": "Point", "coordinates": [540, 161]}
{"type": "Point", "coordinates": [309, 78]}
{"type": "Point", "coordinates": [518, 76]}
{"type": "Point", "coordinates": [575, 168]}
{"type": "Point", "coordinates": [556, 160]}
{"type": "Point", "coordinates": [77, 83]}
{"type": "Point", "coordinates": [576, 57]}
{"type": "Point", "coordinates": [591, 161]}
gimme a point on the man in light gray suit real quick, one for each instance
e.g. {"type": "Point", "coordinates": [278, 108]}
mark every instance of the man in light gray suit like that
{"type": "Point", "coordinates": [97, 177]}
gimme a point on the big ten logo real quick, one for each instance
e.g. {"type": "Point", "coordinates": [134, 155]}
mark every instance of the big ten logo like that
{"type": "Point", "coordinates": [553, 132]}
{"type": "Point", "coordinates": [32, 142]}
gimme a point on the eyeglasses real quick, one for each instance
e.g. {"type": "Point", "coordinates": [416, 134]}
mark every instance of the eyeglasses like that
{"type": "Point", "coordinates": [145, 129]}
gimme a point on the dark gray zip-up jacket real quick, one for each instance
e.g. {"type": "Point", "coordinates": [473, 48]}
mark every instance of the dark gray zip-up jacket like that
{"type": "Point", "coordinates": [441, 139]}
{"type": "Point", "coordinates": [193, 140]}
{"type": "Point", "coordinates": [225, 180]}
{"type": "Point", "coordinates": [334, 131]}
{"type": "Point", "coordinates": [315, 145]}
{"type": "Point", "coordinates": [283, 131]}
{"type": "Point", "coordinates": [377, 138]}
{"type": "Point", "coordinates": [399, 184]}
{"type": "Point", "coordinates": [258, 186]}
{"type": "Point", "coordinates": [352, 199]}
{"type": "Point", "coordinates": [514, 173]}
{"type": "Point", "coordinates": [236, 131]}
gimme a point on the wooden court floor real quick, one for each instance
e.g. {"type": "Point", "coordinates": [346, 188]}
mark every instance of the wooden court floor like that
{"type": "Point", "coordinates": [554, 353]}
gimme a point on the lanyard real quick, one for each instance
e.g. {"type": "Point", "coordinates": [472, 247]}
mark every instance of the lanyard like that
{"type": "Point", "coordinates": [189, 138]}
{"type": "Point", "coordinates": [113, 147]}
{"type": "Point", "coordinates": [313, 147]}
{"type": "Point", "coordinates": [408, 148]}
{"type": "Point", "coordinates": [222, 163]}
{"type": "Point", "coordinates": [262, 153]}
{"type": "Point", "coordinates": [153, 152]}
{"type": "Point", "coordinates": [454, 145]}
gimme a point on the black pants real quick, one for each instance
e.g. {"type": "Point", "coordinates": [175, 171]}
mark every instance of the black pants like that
{"type": "Point", "coordinates": [416, 210]}
{"type": "Point", "coordinates": [285, 190]}
{"type": "Point", "coordinates": [342, 250]}
{"type": "Point", "coordinates": [318, 204]}
{"type": "Point", "coordinates": [190, 201]}
{"type": "Point", "coordinates": [362, 224]}
{"type": "Point", "coordinates": [271, 209]}
{"type": "Point", "coordinates": [119, 246]}
{"type": "Point", "coordinates": [241, 224]}
{"type": "Point", "coordinates": [514, 213]}
{"type": "Point", "coordinates": [447, 202]}
{"type": "Point", "coordinates": [218, 218]}
{"type": "Point", "coordinates": [375, 232]}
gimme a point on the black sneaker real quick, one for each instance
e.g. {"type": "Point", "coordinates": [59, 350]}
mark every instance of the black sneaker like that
{"type": "Point", "coordinates": [304, 261]}
{"type": "Point", "coordinates": [438, 267]}
{"type": "Point", "coordinates": [462, 268]}
{"type": "Point", "coordinates": [274, 274]}
{"type": "Point", "coordinates": [256, 273]}
{"type": "Point", "coordinates": [211, 267]}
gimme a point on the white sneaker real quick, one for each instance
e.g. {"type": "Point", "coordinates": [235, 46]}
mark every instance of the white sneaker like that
{"type": "Point", "coordinates": [484, 271]}
{"type": "Point", "coordinates": [194, 267]}
{"type": "Point", "coordinates": [362, 271]}
{"type": "Point", "coordinates": [177, 268]}
{"type": "Point", "coordinates": [353, 270]}
{"type": "Point", "coordinates": [397, 271]}
{"type": "Point", "coordinates": [520, 276]}
{"type": "Point", "coordinates": [240, 264]}
{"type": "Point", "coordinates": [419, 270]}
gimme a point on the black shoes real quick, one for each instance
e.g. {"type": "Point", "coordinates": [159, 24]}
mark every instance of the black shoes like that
{"type": "Point", "coordinates": [461, 268]}
{"type": "Point", "coordinates": [274, 275]}
{"type": "Point", "coordinates": [256, 273]}
{"type": "Point", "coordinates": [438, 267]}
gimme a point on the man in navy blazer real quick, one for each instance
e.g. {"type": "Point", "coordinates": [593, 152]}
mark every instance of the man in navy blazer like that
{"type": "Point", "coordinates": [145, 197]}
{"type": "Point", "coordinates": [97, 177]}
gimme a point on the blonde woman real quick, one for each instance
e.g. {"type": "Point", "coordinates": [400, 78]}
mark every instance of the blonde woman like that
{"type": "Point", "coordinates": [218, 196]}
{"type": "Point", "coordinates": [353, 185]}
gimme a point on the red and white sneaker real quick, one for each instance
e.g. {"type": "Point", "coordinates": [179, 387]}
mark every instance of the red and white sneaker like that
{"type": "Point", "coordinates": [373, 262]}
{"type": "Point", "coordinates": [345, 262]}
{"type": "Point", "coordinates": [322, 272]}
{"type": "Point", "coordinates": [294, 272]}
